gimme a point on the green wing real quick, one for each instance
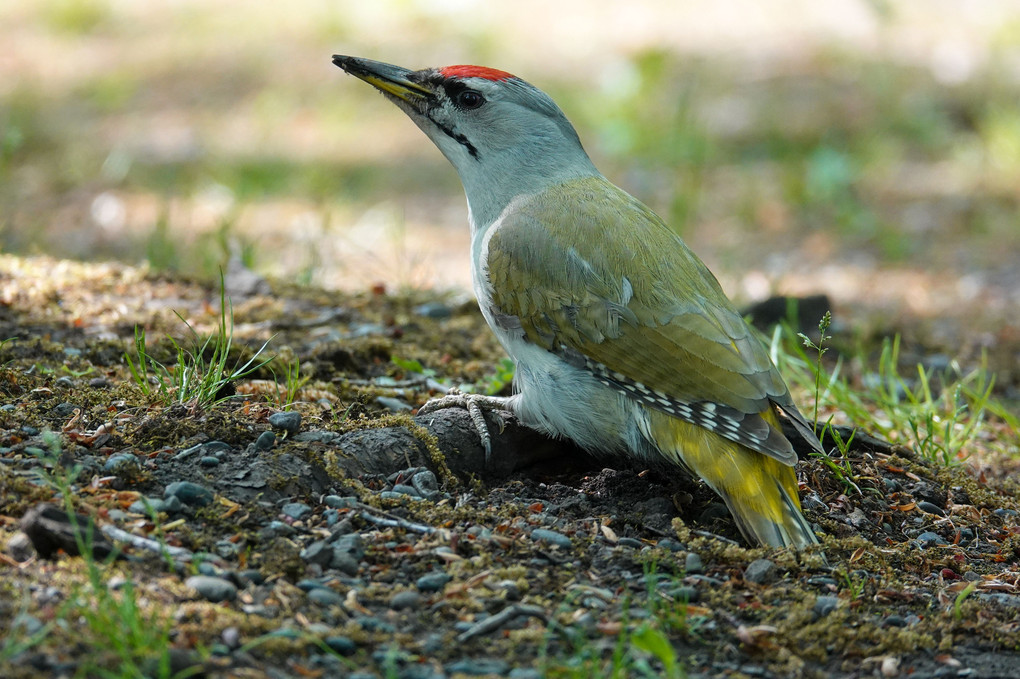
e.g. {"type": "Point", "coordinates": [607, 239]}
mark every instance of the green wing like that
{"type": "Point", "coordinates": [596, 277]}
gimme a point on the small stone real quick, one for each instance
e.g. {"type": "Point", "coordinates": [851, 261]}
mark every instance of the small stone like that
{"type": "Point", "coordinates": [406, 490]}
{"type": "Point", "coordinates": [928, 539]}
{"type": "Point", "coordinates": [394, 405]}
{"type": "Point", "coordinates": [477, 667]}
{"type": "Point", "coordinates": [931, 508]}
{"type": "Point", "coordinates": [99, 383]}
{"type": "Point", "coordinates": [631, 542]}
{"type": "Point", "coordinates": [325, 597]}
{"type": "Point", "coordinates": [433, 310]}
{"type": "Point", "coordinates": [524, 673]}
{"type": "Point", "coordinates": [408, 599]}
{"type": "Point", "coordinates": [289, 421]}
{"type": "Point", "coordinates": [894, 621]}
{"type": "Point", "coordinates": [692, 564]}
{"type": "Point", "coordinates": [671, 544]}
{"type": "Point", "coordinates": [65, 409]}
{"type": "Point", "coordinates": [20, 547]}
{"type": "Point", "coordinates": [296, 510]}
{"type": "Point", "coordinates": [426, 483]}
{"type": "Point", "coordinates": [169, 505]}
{"type": "Point", "coordinates": [231, 637]}
{"type": "Point", "coordinates": [338, 502]}
{"type": "Point", "coordinates": [209, 461]}
{"type": "Point", "coordinates": [118, 460]}
{"type": "Point", "coordinates": [265, 441]}
{"type": "Point", "coordinates": [432, 582]}
{"type": "Point", "coordinates": [65, 382]}
{"type": "Point", "coordinates": [824, 605]}
{"type": "Point", "coordinates": [212, 588]}
{"type": "Point", "coordinates": [551, 536]}
{"type": "Point", "coordinates": [760, 571]}
{"type": "Point", "coordinates": [217, 447]}
{"type": "Point", "coordinates": [317, 436]}
{"type": "Point", "coordinates": [189, 493]}
{"type": "Point", "coordinates": [343, 645]}
{"type": "Point", "coordinates": [318, 552]}
{"type": "Point", "coordinates": [344, 562]}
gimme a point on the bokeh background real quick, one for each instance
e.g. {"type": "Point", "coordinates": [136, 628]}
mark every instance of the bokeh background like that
{"type": "Point", "coordinates": [867, 150]}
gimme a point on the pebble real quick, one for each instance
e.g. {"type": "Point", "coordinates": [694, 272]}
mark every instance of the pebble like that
{"type": "Point", "coordinates": [408, 599]}
{"type": "Point", "coordinates": [317, 436]}
{"type": "Point", "coordinates": [433, 310]}
{"type": "Point", "coordinates": [551, 536]}
{"type": "Point", "coordinates": [432, 582]}
{"type": "Point", "coordinates": [117, 460]}
{"type": "Point", "coordinates": [894, 621]}
{"type": "Point", "coordinates": [318, 552]}
{"type": "Point", "coordinates": [338, 502]}
{"type": "Point", "coordinates": [824, 605]}
{"type": "Point", "coordinates": [217, 447]}
{"type": "Point", "coordinates": [265, 441]}
{"type": "Point", "coordinates": [65, 382]}
{"type": "Point", "coordinates": [426, 483]}
{"type": "Point", "coordinates": [20, 547]}
{"type": "Point", "coordinates": [631, 542]}
{"type": "Point", "coordinates": [760, 571]}
{"type": "Point", "coordinates": [671, 544]}
{"type": "Point", "coordinates": [344, 562]}
{"type": "Point", "coordinates": [189, 493]}
{"type": "Point", "coordinates": [325, 597]}
{"type": "Point", "coordinates": [169, 505]}
{"type": "Point", "coordinates": [928, 539]}
{"type": "Point", "coordinates": [64, 409]}
{"type": "Point", "coordinates": [8, 407]}
{"type": "Point", "coordinates": [212, 588]}
{"type": "Point", "coordinates": [394, 405]}
{"type": "Point", "coordinates": [342, 645]}
{"type": "Point", "coordinates": [406, 490]}
{"type": "Point", "coordinates": [477, 667]}
{"type": "Point", "coordinates": [693, 565]}
{"type": "Point", "coordinates": [524, 673]}
{"type": "Point", "coordinates": [99, 383]}
{"type": "Point", "coordinates": [931, 508]}
{"type": "Point", "coordinates": [289, 421]}
{"type": "Point", "coordinates": [209, 461]}
{"type": "Point", "coordinates": [296, 510]}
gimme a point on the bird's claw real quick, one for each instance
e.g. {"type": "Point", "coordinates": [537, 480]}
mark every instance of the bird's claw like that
{"type": "Point", "coordinates": [476, 405]}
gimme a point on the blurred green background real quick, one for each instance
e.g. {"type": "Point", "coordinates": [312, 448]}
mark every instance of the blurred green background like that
{"type": "Point", "coordinates": [869, 150]}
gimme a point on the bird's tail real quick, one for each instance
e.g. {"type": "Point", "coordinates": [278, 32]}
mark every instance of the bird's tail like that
{"type": "Point", "coordinates": [760, 491]}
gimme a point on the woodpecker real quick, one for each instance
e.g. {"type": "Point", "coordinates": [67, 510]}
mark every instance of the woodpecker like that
{"type": "Point", "coordinates": [623, 340]}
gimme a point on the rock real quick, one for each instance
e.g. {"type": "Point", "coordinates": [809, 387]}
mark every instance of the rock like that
{"type": "Point", "coordinates": [928, 539]}
{"type": "Point", "coordinates": [477, 667]}
{"type": "Point", "coordinates": [692, 564]}
{"type": "Point", "coordinates": [433, 310]}
{"type": "Point", "coordinates": [319, 552]}
{"type": "Point", "coordinates": [325, 597]}
{"type": "Point", "coordinates": [296, 510]}
{"type": "Point", "coordinates": [343, 645]}
{"type": "Point", "coordinates": [760, 571]}
{"type": "Point", "coordinates": [630, 542]}
{"type": "Point", "coordinates": [426, 483]}
{"type": "Point", "coordinates": [406, 490]}
{"type": "Point", "coordinates": [265, 441]}
{"type": "Point", "coordinates": [289, 421]}
{"type": "Point", "coordinates": [189, 493]}
{"type": "Point", "coordinates": [212, 588]}
{"type": "Point", "coordinates": [931, 508]}
{"type": "Point", "coordinates": [394, 405]}
{"type": "Point", "coordinates": [671, 544]}
{"type": "Point", "coordinates": [65, 409]}
{"type": "Point", "coordinates": [824, 605]}
{"type": "Point", "coordinates": [432, 582]}
{"type": "Point", "coordinates": [20, 547]}
{"type": "Point", "coordinates": [338, 502]}
{"type": "Point", "coordinates": [344, 562]}
{"type": "Point", "coordinates": [551, 536]}
{"type": "Point", "coordinates": [169, 505]}
{"type": "Point", "coordinates": [118, 460]}
{"type": "Point", "coordinates": [209, 461]}
{"type": "Point", "coordinates": [408, 599]}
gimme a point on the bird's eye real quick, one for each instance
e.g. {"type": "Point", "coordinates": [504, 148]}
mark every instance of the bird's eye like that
{"type": "Point", "coordinates": [469, 99]}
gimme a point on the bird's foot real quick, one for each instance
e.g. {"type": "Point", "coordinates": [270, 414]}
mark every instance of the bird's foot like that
{"type": "Point", "coordinates": [475, 404]}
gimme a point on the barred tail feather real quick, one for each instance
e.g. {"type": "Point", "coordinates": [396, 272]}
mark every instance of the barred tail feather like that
{"type": "Point", "coordinates": [760, 491]}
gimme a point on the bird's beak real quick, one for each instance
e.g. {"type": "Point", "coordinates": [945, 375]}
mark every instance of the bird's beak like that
{"type": "Point", "coordinates": [388, 79]}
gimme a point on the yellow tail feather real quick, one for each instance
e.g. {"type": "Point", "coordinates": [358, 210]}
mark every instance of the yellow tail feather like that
{"type": "Point", "coordinates": [760, 491]}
